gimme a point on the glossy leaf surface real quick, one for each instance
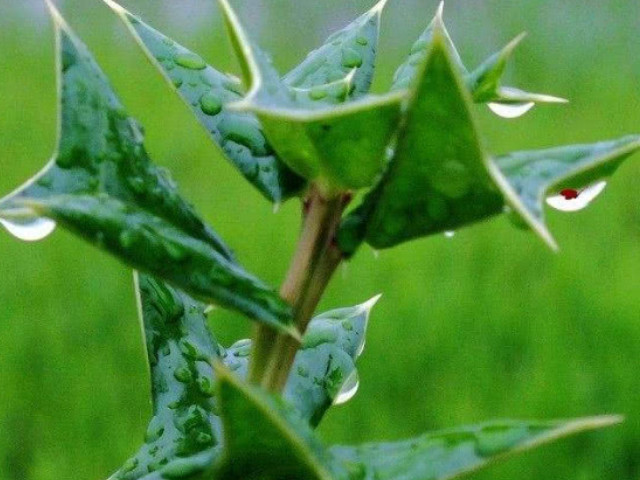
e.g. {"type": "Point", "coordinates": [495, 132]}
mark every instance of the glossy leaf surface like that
{"type": "Point", "coordinates": [207, 92]}
{"type": "Point", "coordinates": [322, 367]}
{"type": "Point", "coordinates": [102, 185]}
{"type": "Point", "coordinates": [184, 434]}
{"type": "Point", "coordinates": [266, 439]}
{"type": "Point", "coordinates": [456, 452]}
{"type": "Point", "coordinates": [340, 147]}
{"type": "Point", "coordinates": [351, 50]}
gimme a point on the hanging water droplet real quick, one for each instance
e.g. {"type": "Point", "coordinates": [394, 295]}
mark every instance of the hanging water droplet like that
{"type": "Point", "coordinates": [572, 200]}
{"type": "Point", "coordinates": [348, 390]}
{"type": "Point", "coordinates": [506, 110]}
{"type": "Point", "coordinates": [449, 234]}
{"type": "Point", "coordinates": [29, 229]}
{"type": "Point", "coordinates": [276, 207]}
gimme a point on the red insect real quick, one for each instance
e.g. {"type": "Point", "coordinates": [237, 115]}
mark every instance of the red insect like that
{"type": "Point", "coordinates": [570, 193]}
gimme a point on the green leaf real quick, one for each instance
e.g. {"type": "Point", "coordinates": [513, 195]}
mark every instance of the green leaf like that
{"type": "Point", "coordinates": [184, 434]}
{"type": "Point", "coordinates": [102, 185]}
{"type": "Point", "coordinates": [324, 370]}
{"type": "Point", "coordinates": [351, 50]}
{"type": "Point", "coordinates": [339, 148]}
{"type": "Point", "coordinates": [207, 93]}
{"type": "Point", "coordinates": [441, 179]}
{"type": "Point", "coordinates": [264, 438]}
{"type": "Point", "coordinates": [531, 176]}
{"type": "Point", "coordinates": [456, 452]}
{"type": "Point", "coordinates": [484, 83]}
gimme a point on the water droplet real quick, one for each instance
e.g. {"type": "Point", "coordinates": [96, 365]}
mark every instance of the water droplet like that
{"type": "Point", "coordinates": [29, 229]}
{"type": "Point", "coordinates": [175, 251]}
{"type": "Point", "coordinates": [572, 200]}
{"type": "Point", "coordinates": [351, 58]}
{"type": "Point", "coordinates": [190, 60]}
{"type": "Point", "coordinates": [449, 234]}
{"type": "Point", "coordinates": [376, 253]}
{"type": "Point", "coordinates": [204, 438]}
{"type": "Point", "coordinates": [127, 238]}
{"type": "Point", "coordinates": [506, 110]}
{"type": "Point", "coordinates": [276, 207]}
{"type": "Point", "coordinates": [205, 386]}
{"type": "Point", "coordinates": [452, 179]}
{"type": "Point", "coordinates": [317, 93]}
{"type": "Point", "coordinates": [348, 390]}
{"type": "Point", "coordinates": [130, 465]}
{"type": "Point", "coordinates": [210, 104]}
{"type": "Point", "coordinates": [154, 430]}
{"type": "Point", "coordinates": [183, 374]}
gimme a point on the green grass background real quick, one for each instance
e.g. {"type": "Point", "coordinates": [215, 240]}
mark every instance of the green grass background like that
{"type": "Point", "coordinates": [486, 325]}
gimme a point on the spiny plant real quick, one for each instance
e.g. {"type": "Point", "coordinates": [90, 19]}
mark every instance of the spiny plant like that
{"type": "Point", "coordinates": [316, 134]}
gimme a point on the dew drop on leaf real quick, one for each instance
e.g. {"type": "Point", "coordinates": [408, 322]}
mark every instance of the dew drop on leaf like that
{"type": "Point", "coordinates": [348, 390]}
{"type": "Point", "coordinates": [449, 234]}
{"type": "Point", "coordinates": [572, 200]}
{"type": "Point", "coordinates": [190, 60]}
{"type": "Point", "coordinates": [505, 110]}
{"type": "Point", "coordinates": [29, 229]}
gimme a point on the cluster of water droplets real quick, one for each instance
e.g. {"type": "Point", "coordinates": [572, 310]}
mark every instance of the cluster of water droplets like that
{"type": "Point", "coordinates": [573, 200]}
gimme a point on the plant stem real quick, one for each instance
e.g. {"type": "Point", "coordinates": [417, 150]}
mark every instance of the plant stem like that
{"type": "Point", "coordinates": [304, 284]}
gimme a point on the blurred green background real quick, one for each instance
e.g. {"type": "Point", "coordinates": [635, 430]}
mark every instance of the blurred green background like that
{"type": "Point", "coordinates": [485, 325]}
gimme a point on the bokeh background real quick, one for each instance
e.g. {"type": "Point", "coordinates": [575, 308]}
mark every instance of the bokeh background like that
{"type": "Point", "coordinates": [485, 325]}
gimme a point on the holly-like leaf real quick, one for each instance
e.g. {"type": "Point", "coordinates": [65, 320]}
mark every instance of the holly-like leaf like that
{"type": "Point", "coordinates": [207, 92]}
{"type": "Point", "coordinates": [324, 370]}
{"type": "Point", "coordinates": [350, 51]}
{"type": "Point", "coordinates": [457, 452]}
{"type": "Point", "coordinates": [340, 147]}
{"type": "Point", "coordinates": [184, 434]}
{"type": "Point", "coordinates": [484, 83]}
{"type": "Point", "coordinates": [441, 179]}
{"type": "Point", "coordinates": [438, 178]}
{"type": "Point", "coordinates": [102, 185]}
{"type": "Point", "coordinates": [265, 438]}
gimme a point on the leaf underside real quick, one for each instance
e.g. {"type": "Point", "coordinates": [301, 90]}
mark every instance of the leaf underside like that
{"type": "Point", "coordinates": [102, 185]}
